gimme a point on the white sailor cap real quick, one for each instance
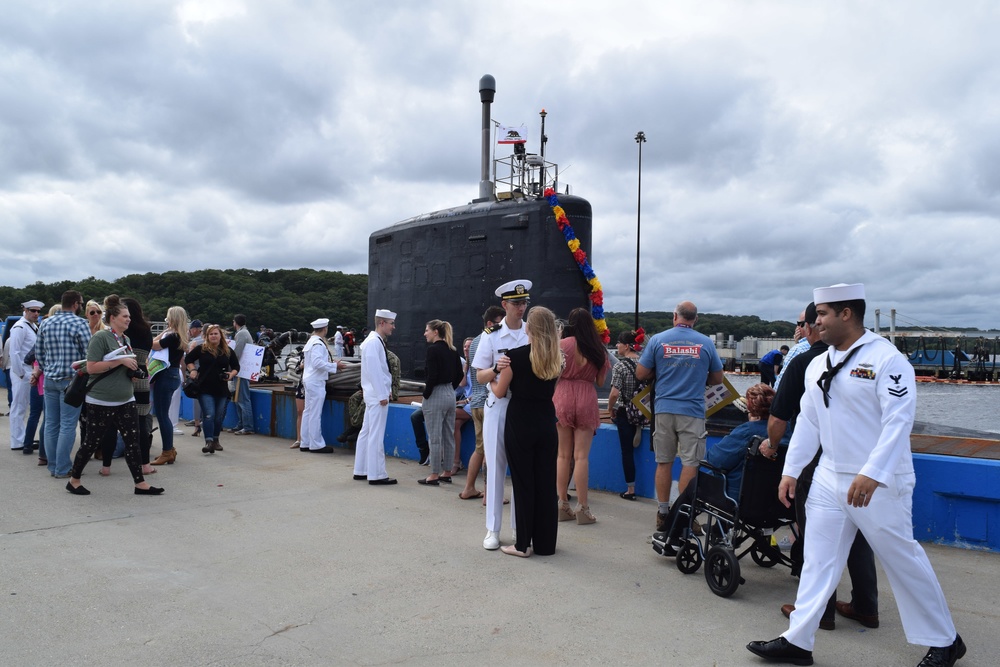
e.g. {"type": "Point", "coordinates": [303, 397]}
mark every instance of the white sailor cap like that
{"type": "Point", "coordinates": [34, 303]}
{"type": "Point", "coordinates": [340, 326]}
{"type": "Point", "coordinates": [515, 290]}
{"type": "Point", "coordinates": [385, 314]}
{"type": "Point", "coordinates": [321, 323]}
{"type": "Point", "coordinates": [839, 292]}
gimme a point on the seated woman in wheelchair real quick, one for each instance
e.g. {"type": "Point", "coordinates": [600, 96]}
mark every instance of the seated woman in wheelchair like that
{"type": "Point", "coordinates": [729, 455]}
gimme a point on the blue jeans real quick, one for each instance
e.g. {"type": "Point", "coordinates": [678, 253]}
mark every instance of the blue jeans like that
{"type": "Point", "coordinates": [626, 434]}
{"type": "Point", "coordinates": [213, 413]}
{"type": "Point", "coordinates": [244, 409]}
{"type": "Point", "coordinates": [60, 427]}
{"type": "Point", "coordinates": [163, 387]}
{"type": "Point", "coordinates": [35, 404]}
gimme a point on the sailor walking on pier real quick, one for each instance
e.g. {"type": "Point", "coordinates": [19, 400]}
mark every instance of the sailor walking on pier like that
{"type": "Point", "coordinates": [859, 402]}
{"type": "Point", "coordinates": [490, 359]}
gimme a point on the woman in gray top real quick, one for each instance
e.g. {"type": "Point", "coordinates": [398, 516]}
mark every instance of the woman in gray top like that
{"type": "Point", "coordinates": [111, 401]}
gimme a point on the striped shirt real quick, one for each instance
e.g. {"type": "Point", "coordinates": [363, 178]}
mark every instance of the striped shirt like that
{"type": "Point", "coordinates": [62, 339]}
{"type": "Point", "coordinates": [477, 390]}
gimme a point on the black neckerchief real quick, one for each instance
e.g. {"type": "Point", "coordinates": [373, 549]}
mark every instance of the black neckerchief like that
{"type": "Point", "coordinates": [826, 379]}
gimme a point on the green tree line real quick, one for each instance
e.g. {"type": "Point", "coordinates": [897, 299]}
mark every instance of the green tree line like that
{"type": "Point", "coordinates": [740, 326]}
{"type": "Point", "coordinates": [282, 299]}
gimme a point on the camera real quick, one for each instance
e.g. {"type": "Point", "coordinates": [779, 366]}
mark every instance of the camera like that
{"type": "Point", "coordinates": [139, 373]}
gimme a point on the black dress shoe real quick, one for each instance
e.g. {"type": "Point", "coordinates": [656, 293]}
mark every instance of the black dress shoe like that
{"type": "Point", "coordinates": [846, 609]}
{"type": "Point", "coordinates": [382, 482]}
{"type": "Point", "coordinates": [944, 656]}
{"type": "Point", "coordinates": [82, 491]}
{"type": "Point", "coordinates": [324, 450]}
{"type": "Point", "coordinates": [151, 491]}
{"type": "Point", "coordinates": [780, 650]}
{"type": "Point", "coordinates": [360, 478]}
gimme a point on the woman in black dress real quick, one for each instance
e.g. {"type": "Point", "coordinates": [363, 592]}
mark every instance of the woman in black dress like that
{"type": "Point", "coordinates": [530, 435]}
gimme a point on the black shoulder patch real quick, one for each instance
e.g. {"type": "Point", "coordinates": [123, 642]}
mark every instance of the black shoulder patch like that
{"type": "Point", "coordinates": [491, 329]}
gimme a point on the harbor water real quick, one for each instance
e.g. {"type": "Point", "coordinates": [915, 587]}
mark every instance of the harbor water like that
{"type": "Point", "coordinates": [962, 406]}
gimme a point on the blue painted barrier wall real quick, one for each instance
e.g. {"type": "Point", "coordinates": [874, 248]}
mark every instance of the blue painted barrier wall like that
{"type": "Point", "coordinates": [956, 500]}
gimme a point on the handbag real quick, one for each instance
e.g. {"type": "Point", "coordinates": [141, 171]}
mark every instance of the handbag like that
{"type": "Point", "coordinates": [77, 390]}
{"type": "Point", "coordinates": [191, 388]}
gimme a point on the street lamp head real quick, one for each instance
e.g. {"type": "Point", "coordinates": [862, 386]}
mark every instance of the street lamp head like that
{"type": "Point", "coordinates": [640, 137]}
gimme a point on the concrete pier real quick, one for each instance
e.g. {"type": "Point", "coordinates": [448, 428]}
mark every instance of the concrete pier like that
{"type": "Point", "coordinates": [261, 555]}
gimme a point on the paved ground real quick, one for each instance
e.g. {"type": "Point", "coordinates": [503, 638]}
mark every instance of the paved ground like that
{"type": "Point", "coordinates": [261, 555]}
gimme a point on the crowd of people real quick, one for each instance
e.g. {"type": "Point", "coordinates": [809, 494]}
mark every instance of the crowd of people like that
{"type": "Point", "coordinates": [842, 413]}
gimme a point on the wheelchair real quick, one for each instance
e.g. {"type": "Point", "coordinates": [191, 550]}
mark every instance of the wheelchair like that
{"type": "Point", "coordinates": [732, 528]}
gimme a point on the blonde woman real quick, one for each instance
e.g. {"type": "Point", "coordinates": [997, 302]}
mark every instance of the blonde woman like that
{"type": "Point", "coordinates": [163, 385]}
{"type": "Point", "coordinates": [530, 436]}
{"type": "Point", "coordinates": [217, 365]}
{"type": "Point", "coordinates": [94, 313]}
{"type": "Point", "coordinates": [443, 375]}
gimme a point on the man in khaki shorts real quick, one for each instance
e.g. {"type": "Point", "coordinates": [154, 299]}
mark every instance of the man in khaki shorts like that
{"type": "Point", "coordinates": [477, 403]}
{"type": "Point", "coordinates": [681, 362]}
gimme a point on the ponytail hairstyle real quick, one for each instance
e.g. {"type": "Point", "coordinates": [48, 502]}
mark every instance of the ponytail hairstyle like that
{"type": "Point", "coordinates": [112, 306]}
{"type": "Point", "coordinates": [443, 330]}
{"type": "Point", "coordinates": [177, 319]}
{"type": "Point", "coordinates": [633, 339]}
{"type": "Point", "coordinates": [545, 356]}
{"type": "Point", "coordinates": [758, 398]}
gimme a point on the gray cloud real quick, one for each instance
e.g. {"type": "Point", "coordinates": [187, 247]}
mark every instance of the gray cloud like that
{"type": "Point", "coordinates": [788, 146]}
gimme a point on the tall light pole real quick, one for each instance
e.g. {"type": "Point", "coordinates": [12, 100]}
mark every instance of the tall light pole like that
{"type": "Point", "coordinates": [640, 138]}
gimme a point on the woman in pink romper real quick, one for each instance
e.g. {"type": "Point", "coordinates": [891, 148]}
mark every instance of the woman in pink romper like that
{"type": "Point", "coordinates": [586, 367]}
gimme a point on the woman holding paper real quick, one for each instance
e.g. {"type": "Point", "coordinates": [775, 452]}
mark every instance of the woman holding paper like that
{"type": "Point", "coordinates": [217, 365]}
{"type": "Point", "coordinates": [174, 340]}
{"type": "Point", "coordinates": [110, 401]}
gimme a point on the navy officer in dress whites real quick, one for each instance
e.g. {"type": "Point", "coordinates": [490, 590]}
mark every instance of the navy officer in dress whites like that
{"type": "Point", "coordinates": [376, 385]}
{"type": "Point", "coordinates": [490, 359]}
{"type": "Point", "coordinates": [859, 402]}
{"type": "Point", "coordinates": [318, 363]}
{"type": "Point", "coordinates": [22, 341]}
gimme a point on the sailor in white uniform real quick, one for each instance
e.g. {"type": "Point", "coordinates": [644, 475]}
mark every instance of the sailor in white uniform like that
{"type": "Point", "coordinates": [338, 343]}
{"type": "Point", "coordinates": [318, 363]}
{"type": "Point", "coordinates": [376, 385]}
{"type": "Point", "coordinates": [859, 402]}
{"type": "Point", "coordinates": [490, 359]}
{"type": "Point", "coordinates": [22, 341]}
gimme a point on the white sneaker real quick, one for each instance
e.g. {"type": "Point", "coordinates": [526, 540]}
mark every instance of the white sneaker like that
{"type": "Point", "coordinates": [492, 540]}
{"type": "Point", "coordinates": [177, 431]}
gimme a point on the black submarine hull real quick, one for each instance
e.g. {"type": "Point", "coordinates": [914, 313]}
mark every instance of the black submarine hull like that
{"type": "Point", "coordinates": [446, 265]}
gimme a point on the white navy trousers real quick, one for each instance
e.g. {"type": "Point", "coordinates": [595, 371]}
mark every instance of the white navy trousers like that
{"type": "Point", "coordinates": [369, 456]}
{"type": "Point", "coordinates": [494, 420]}
{"type": "Point", "coordinates": [312, 414]}
{"type": "Point", "coordinates": [887, 524]}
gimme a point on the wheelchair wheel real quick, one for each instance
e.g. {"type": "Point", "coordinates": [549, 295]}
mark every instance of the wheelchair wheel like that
{"type": "Point", "coordinates": [763, 555]}
{"type": "Point", "coordinates": [689, 558]}
{"type": "Point", "coordinates": [722, 571]}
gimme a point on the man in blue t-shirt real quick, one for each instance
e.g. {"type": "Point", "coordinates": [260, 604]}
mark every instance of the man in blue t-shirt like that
{"type": "Point", "coordinates": [682, 362]}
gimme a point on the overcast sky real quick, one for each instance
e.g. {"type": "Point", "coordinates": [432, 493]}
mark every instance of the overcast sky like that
{"type": "Point", "coordinates": [789, 144]}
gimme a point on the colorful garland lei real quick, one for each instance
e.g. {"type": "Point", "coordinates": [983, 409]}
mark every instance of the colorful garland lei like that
{"type": "Point", "coordinates": [596, 293]}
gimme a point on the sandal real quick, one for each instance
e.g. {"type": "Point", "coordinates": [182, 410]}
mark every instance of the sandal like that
{"type": "Point", "coordinates": [197, 431]}
{"type": "Point", "coordinates": [477, 496]}
{"type": "Point", "coordinates": [627, 496]}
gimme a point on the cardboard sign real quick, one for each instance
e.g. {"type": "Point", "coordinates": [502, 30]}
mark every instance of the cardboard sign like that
{"type": "Point", "coordinates": [250, 360]}
{"type": "Point", "coordinates": [716, 398]}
